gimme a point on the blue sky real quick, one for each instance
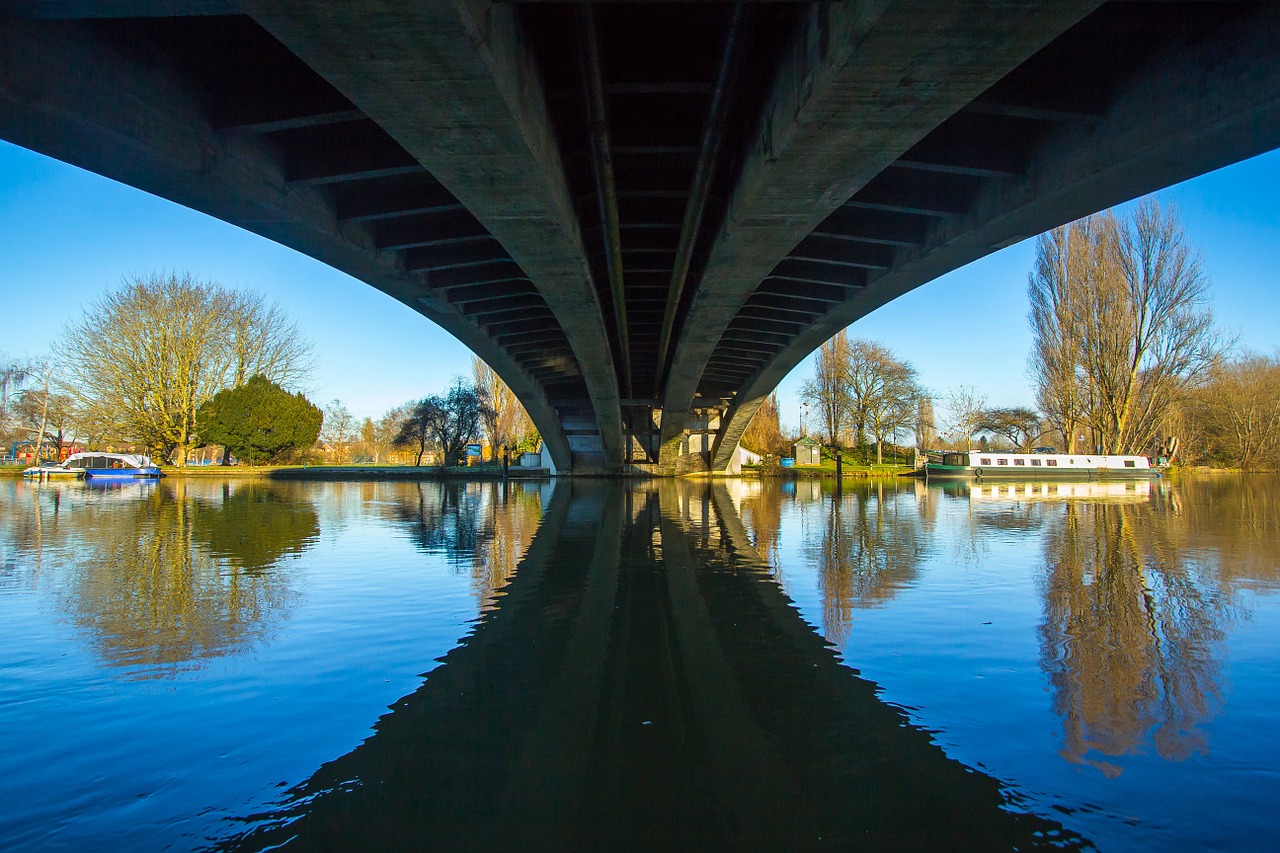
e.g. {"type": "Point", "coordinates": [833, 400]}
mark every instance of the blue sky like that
{"type": "Point", "coordinates": [67, 235]}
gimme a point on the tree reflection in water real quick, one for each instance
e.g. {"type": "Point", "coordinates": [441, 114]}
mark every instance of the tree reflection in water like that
{"type": "Point", "coordinates": [484, 528]}
{"type": "Point", "coordinates": [868, 549]}
{"type": "Point", "coordinates": [1131, 634]}
{"type": "Point", "coordinates": [186, 573]}
{"type": "Point", "coordinates": [760, 506]}
{"type": "Point", "coordinates": [866, 539]}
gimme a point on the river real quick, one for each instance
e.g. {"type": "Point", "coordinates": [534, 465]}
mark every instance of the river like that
{"type": "Point", "coordinates": [238, 664]}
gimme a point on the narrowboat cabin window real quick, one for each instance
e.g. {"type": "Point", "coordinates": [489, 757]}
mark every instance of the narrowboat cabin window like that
{"type": "Point", "coordinates": [1052, 463]}
{"type": "Point", "coordinates": [1035, 463]}
{"type": "Point", "coordinates": [1002, 461]}
{"type": "Point", "coordinates": [986, 461]}
{"type": "Point", "coordinates": [1019, 462]}
{"type": "Point", "coordinates": [1129, 463]}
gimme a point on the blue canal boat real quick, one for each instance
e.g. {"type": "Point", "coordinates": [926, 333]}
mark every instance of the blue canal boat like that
{"type": "Point", "coordinates": [98, 466]}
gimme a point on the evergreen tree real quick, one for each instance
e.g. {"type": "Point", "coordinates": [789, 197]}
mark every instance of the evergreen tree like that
{"type": "Point", "coordinates": [259, 420]}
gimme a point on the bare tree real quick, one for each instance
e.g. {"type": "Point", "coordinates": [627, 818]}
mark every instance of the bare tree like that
{"type": "Point", "coordinates": [47, 418]}
{"type": "Point", "coordinates": [265, 341]}
{"type": "Point", "coordinates": [867, 371]}
{"type": "Point", "coordinates": [965, 406]}
{"type": "Point", "coordinates": [1238, 411]}
{"type": "Point", "coordinates": [339, 428]}
{"type": "Point", "coordinates": [13, 376]}
{"type": "Point", "coordinates": [153, 350]}
{"type": "Point", "coordinates": [1063, 266]}
{"type": "Point", "coordinates": [387, 428]}
{"type": "Point", "coordinates": [1121, 324]}
{"type": "Point", "coordinates": [414, 430]}
{"type": "Point", "coordinates": [1017, 423]}
{"type": "Point", "coordinates": [828, 390]}
{"type": "Point", "coordinates": [368, 440]}
{"type": "Point", "coordinates": [505, 421]}
{"type": "Point", "coordinates": [889, 396]}
{"type": "Point", "coordinates": [925, 427]}
{"type": "Point", "coordinates": [449, 421]}
{"type": "Point", "coordinates": [764, 433]}
{"type": "Point", "coordinates": [34, 404]}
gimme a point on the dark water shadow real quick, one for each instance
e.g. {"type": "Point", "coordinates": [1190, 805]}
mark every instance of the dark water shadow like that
{"type": "Point", "coordinates": [643, 683]}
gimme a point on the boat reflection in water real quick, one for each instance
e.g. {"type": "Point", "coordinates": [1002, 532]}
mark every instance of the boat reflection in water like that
{"type": "Point", "coordinates": [643, 683]}
{"type": "Point", "coordinates": [1108, 491]}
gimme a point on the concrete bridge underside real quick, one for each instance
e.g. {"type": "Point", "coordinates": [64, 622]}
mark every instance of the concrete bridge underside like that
{"type": "Point", "coordinates": [642, 215]}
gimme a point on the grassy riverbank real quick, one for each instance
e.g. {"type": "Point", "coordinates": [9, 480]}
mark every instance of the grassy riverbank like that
{"type": "Point", "coordinates": [826, 469]}
{"type": "Point", "coordinates": [409, 472]}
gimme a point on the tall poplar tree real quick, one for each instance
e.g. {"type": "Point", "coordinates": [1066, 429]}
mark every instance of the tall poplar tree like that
{"type": "Point", "coordinates": [1121, 324]}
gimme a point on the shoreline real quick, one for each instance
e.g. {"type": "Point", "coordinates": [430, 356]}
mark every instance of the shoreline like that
{"type": "Point", "coordinates": [375, 473]}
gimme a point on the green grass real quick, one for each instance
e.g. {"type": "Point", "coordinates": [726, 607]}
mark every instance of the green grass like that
{"type": "Point", "coordinates": [851, 467]}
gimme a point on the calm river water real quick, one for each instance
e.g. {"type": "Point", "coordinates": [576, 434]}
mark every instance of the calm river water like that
{"type": "Point", "coordinates": [240, 664]}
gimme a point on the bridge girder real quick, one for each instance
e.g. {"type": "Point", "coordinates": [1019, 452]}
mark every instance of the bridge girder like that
{"type": "Point", "coordinates": [1147, 135]}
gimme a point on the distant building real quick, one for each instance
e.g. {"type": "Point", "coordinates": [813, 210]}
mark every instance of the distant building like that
{"type": "Point", "coordinates": [806, 451]}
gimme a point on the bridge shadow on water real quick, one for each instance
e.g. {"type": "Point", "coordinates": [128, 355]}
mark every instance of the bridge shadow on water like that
{"type": "Point", "coordinates": [643, 683]}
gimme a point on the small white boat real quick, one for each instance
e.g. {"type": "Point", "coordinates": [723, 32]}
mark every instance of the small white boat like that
{"type": "Point", "coordinates": [96, 465]}
{"type": "Point", "coordinates": [52, 471]}
{"type": "Point", "coordinates": [1034, 466]}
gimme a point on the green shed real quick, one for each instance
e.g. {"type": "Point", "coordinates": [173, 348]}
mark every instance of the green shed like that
{"type": "Point", "coordinates": [806, 451]}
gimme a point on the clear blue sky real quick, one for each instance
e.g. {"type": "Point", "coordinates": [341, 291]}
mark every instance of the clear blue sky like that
{"type": "Point", "coordinates": [67, 235]}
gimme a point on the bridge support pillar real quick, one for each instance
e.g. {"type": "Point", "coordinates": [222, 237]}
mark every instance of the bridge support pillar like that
{"type": "Point", "coordinates": [692, 450]}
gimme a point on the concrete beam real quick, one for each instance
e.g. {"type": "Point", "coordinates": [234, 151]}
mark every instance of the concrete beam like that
{"type": "Point", "coordinates": [1203, 108]}
{"type": "Point", "coordinates": [459, 90]}
{"type": "Point", "coordinates": [862, 83]}
{"type": "Point", "coordinates": [73, 9]}
{"type": "Point", "coordinates": [66, 94]}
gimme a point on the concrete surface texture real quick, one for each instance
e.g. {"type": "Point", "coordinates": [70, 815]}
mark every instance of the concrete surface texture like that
{"type": "Point", "coordinates": [642, 215]}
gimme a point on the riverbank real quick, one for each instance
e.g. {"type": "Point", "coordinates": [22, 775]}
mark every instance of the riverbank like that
{"type": "Point", "coordinates": [331, 472]}
{"type": "Point", "coordinates": [355, 472]}
{"type": "Point", "coordinates": [826, 470]}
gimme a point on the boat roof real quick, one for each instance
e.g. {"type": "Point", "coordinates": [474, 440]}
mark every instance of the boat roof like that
{"type": "Point", "coordinates": [135, 458]}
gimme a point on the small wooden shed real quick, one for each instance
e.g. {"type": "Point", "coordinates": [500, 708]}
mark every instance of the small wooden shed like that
{"type": "Point", "coordinates": [806, 451]}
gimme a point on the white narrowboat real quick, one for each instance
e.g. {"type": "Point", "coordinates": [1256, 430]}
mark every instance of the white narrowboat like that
{"type": "Point", "coordinates": [977, 464]}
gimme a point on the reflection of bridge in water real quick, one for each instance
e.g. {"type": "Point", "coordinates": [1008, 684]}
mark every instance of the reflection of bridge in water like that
{"type": "Point", "coordinates": [643, 683]}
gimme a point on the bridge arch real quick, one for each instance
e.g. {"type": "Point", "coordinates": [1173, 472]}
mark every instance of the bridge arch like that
{"type": "Point", "coordinates": [639, 214]}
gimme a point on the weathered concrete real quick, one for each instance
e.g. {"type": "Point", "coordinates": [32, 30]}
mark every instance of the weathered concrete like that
{"type": "Point", "coordinates": [454, 85]}
{"type": "Point", "coordinates": [1158, 132]}
{"type": "Point", "coordinates": [83, 9]}
{"type": "Point", "coordinates": [438, 151]}
{"type": "Point", "coordinates": [863, 83]}
{"type": "Point", "coordinates": [137, 124]}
